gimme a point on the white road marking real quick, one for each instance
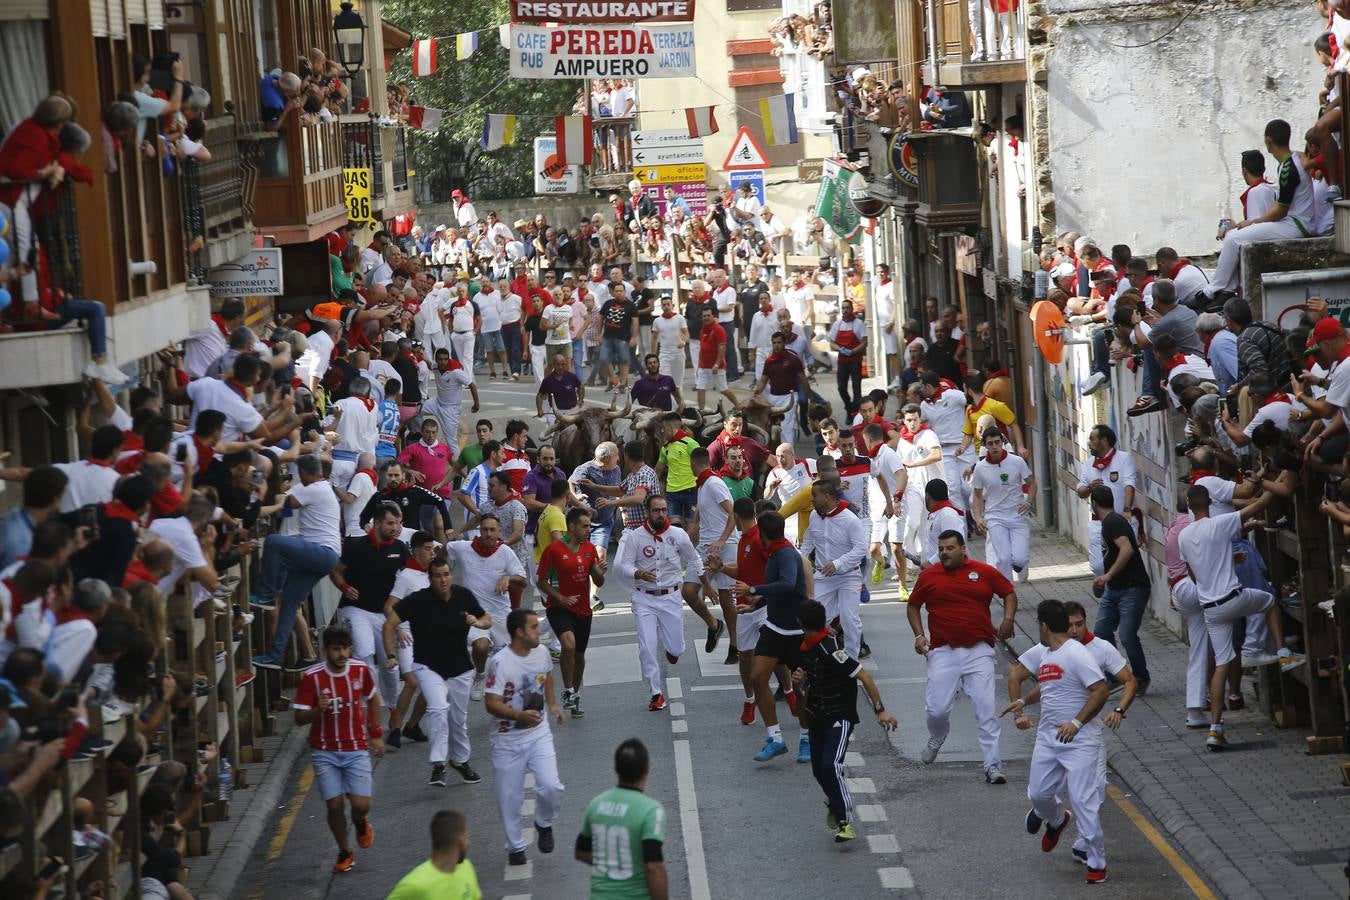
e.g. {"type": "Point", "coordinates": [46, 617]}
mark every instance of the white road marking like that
{"type": "Point", "coordinates": [896, 878]}
{"type": "Point", "coordinates": [716, 687]}
{"type": "Point", "coordinates": [673, 689]}
{"type": "Point", "coordinates": [517, 897]}
{"type": "Point", "coordinates": [689, 823]}
{"type": "Point", "coordinates": [860, 785]}
{"type": "Point", "coordinates": [519, 873]}
{"type": "Point", "coordinates": [883, 843]}
{"type": "Point", "coordinates": [677, 708]}
{"type": "Point", "coordinates": [678, 726]}
{"type": "Point", "coordinates": [613, 634]}
{"type": "Point", "coordinates": [529, 779]}
{"type": "Point", "coordinates": [853, 759]}
{"type": "Point", "coordinates": [870, 813]}
{"type": "Point", "coordinates": [527, 807]}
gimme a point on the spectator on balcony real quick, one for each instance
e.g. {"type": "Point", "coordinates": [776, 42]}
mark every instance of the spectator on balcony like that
{"type": "Point", "coordinates": [372, 257]}
{"type": "Point", "coordinates": [638, 206]}
{"type": "Point", "coordinates": [242, 340]}
{"type": "Point", "coordinates": [1260, 345]}
{"type": "Point", "coordinates": [1177, 322]}
{"type": "Point", "coordinates": [43, 488]}
{"type": "Point", "coordinates": [118, 526]}
{"type": "Point", "coordinates": [1186, 277]}
{"type": "Point", "coordinates": [1259, 196]}
{"type": "Point", "coordinates": [948, 109]}
{"type": "Point", "coordinates": [1221, 349]}
{"type": "Point", "coordinates": [465, 214]}
{"type": "Point", "coordinates": [30, 157]}
{"type": "Point", "coordinates": [278, 97]}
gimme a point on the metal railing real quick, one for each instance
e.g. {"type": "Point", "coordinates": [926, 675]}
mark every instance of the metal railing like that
{"type": "Point", "coordinates": [194, 218]}
{"type": "Point", "coordinates": [44, 245]}
{"type": "Point", "coordinates": [973, 31]}
{"type": "Point", "coordinates": [362, 149]}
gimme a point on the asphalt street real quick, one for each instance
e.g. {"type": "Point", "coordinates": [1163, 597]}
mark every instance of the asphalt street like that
{"type": "Point", "coordinates": [737, 828]}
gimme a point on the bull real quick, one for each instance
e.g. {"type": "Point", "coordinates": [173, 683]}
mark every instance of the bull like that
{"type": "Point", "coordinates": [577, 434]}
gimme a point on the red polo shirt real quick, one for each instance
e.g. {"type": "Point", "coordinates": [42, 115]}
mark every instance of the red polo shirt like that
{"type": "Point", "coordinates": [958, 602]}
{"type": "Point", "coordinates": [710, 337]}
{"type": "Point", "coordinates": [751, 558]}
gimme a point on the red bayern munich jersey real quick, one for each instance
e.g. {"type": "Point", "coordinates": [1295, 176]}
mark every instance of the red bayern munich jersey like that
{"type": "Point", "coordinates": [343, 726]}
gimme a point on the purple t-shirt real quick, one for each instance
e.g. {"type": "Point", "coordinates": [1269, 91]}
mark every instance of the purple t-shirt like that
{"type": "Point", "coordinates": [539, 486]}
{"type": "Point", "coordinates": [564, 390]}
{"type": "Point", "coordinates": [655, 392]}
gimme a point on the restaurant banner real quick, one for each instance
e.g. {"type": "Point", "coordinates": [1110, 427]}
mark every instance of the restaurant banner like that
{"type": "Point", "coordinates": [599, 12]}
{"type": "Point", "coordinates": [602, 51]}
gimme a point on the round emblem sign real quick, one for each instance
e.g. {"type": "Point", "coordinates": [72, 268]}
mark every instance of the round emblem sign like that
{"type": "Point", "coordinates": [900, 160]}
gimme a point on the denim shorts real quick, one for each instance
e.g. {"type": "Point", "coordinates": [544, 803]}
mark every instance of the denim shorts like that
{"type": "Point", "coordinates": [341, 772]}
{"type": "Point", "coordinates": [600, 536]}
{"type": "Point", "coordinates": [614, 351]}
{"type": "Point", "coordinates": [681, 504]}
{"type": "Point", "coordinates": [492, 342]}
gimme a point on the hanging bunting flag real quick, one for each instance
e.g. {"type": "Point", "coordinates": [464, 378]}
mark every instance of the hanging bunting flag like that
{"type": "Point", "coordinates": [574, 140]}
{"type": "Point", "coordinates": [465, 44]}
{"type": "Point", "coordinates": [424, 117]}
{"type": "Point", "coordinates": [504, 34]}
{"type": "Point", "coordinates": [424, 57]}
{"type": "Point", "coordinates": [701, 121]}
{"type": "Point", "coordinates": [498, 131]}
{"type": "Point", "coordinates": [780, 121]}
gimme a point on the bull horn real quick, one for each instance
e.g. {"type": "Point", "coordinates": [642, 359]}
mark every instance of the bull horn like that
{"type": "Point", "coordinates": [782, 410]}
{"type": "Point", "coordinates": [762, 437]}
{"type": "Point", "coordinates": [613, 400]}
{"type": "Point", "coordinates": [568, 420]}
{"type": "Point", "coordinates": [612, 415]}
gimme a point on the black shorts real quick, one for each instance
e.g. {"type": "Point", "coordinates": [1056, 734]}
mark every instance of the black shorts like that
{"type": "Point", "coordinates": [561, 620]}
{"type": "Point", "coordinates": [786, 648]}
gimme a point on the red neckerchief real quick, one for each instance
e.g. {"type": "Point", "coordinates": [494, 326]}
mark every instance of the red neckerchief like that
{"type": "Point", "coordinates": [377, 543]}
{"type": "Point", "coordinates": [679, 435]}
{"type": "Point", "coordinates": [205, 453]}
{"type": "Point", "coordinates": [656, 534]}
{"type": "Point", "coordinates": [137, 572]}
{"type": "Point", "coordinates": [72, 613]}
{"type": "Point", "coordinates": [462, 301]}
{"type": "Point", "coordinates": [1178, 359]}
{"type": "Point", "coordinates": [414, 565]}
{"type": "Point", "coordinates": [989, 457]}
{"type": "Point", "coordinates": [374, 478]}
{"type": "Point", "coordinates": [1103, 462]}
{"type": "Point", "coordinates": [998, 373]}
{"type": "Point", "coordinates": [1087, 636]}
{"type": "Point", "coordinates": [944, 385]}
{"type": "Point", "coordinates": [725, 472]}
{"type": "Point", "coordinates": [237, 388]}
{"type": "Point", "coordinates": [478, 548]}
{"type": "Point", "coordinates": [809, 641]}
{"type": "Point", "coordinates": [220, 325]}
{"type": "Point", "coordinates": [704, 476]}
{"type": "Point", "coordinates": [843, 505]}
{"type": "Point", "coordinates": [133, 441]}
{"type": "Point", "coordinates": [130, 463]}
{"type": "Point", "coordinates": [451, 366]}
{"type": "Point", "coordinates": [1278, 397]}
{"type": "Point", "coordinates": [1197, 474]}
{"type": "Point", "coordinates": [368, 403]}
{"type": "Point", "coordinates": [667, 315]}
{"type": "Point", "coordinates": [947, 504]}
{"type": "Point", "coordinates": [831, 449]}
{"type": "Point", "coordinates": [116, 509]}
{"type": "Point", "coordinates": [730, 440]}
{"type": "Point", "coordinates": [1243, 198]}
{"type": "Point", "coordinates": [1181, 264]}
{"type": "Point", "coordinates": [978, 406]}
{"type": "Point", "coordinates": [775, 356]}
{"type": "Point", "coordinates": [777, 544]}
{"type": "Point", "coordinates": [1208, 339]}
{"type": "Point", "coordinates": [908, 435]}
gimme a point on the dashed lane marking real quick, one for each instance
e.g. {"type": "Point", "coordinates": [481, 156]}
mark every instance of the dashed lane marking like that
{"type": "Point", "coordinates": [677, 708]}
{"type": "Point", "coordinates": [690, 825]}
{"type": "Point", "coordinates": [896, 878]}
{"type": "Point", "coordinates": [519, 873]}
{"type": "Point", "coordinates": [860, 785]}
{"type": "Point", "coordinates": [673, 689]}
{"type": "Point", "coordinates": [853, 759]}
{"type": "Point", "coordinates": [678, 726]}
{"type": "Point", "coordinates": [883, 843]}
{"type": "Point", "coordinates": [869, 812]}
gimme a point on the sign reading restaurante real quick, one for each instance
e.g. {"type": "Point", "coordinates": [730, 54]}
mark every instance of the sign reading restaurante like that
{"type": "Point", "coordinates": [592, 12]}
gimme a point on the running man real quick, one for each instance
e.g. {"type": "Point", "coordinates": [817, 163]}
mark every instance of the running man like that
{"type": "Point", "coordinates": [623, 832]}
{"type": "Point", "coordinates": [411, 578]}
{"type": "Point", "coordinates": [836, 541]}
{"type": "Point", "coordinates": [1068, 738]}
{"type": "Point", "coordinates": [519, 698]}
{"type": "Point", "coordinates": [889, 480]}
{"type": "Point", "coordinates": [489, 569]}
{"type": "Point", "coordinates": [1002, 490]}
{"type": "Point", "coordinates": [960, 651]}
{"type": "Point", "coordinates": [336, 699]}
{"type": "Point", "coordinates": [921, 454]}
{"type": "Point", "coordinates": [365, 575]}
{"type": "Point", "coordinates": [717, 537]}
{"type": "Point", "coordinates": [566, 570]}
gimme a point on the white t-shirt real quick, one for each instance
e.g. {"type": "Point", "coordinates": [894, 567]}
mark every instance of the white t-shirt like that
{"type": "Point", "coordinates": [725, 299]}
{"type": "Point", "coordinates": [409, 581]}
{"type": "Point", "coordinates": [363, 486]}
{"type": "Point", "coordinates": [666, 333]}
{"type": "Point", "coordinates": [358, 429]}
{"type": "Point", "coordinates": [788, 483]}
{"type": "Point", "coordinates": [1276, 411]}
{"type": "Point", "coordinates": [1206, 546]}
{"type": "Point", "coordinates": [946, 415]}
{"type": "Point", "coordinates": [203, 348]}
{"type": "Point", "coordinates": [1118, 473]}
{"type": "Point", "coordinates": [519, 682]}
{"type": "Point", "coordinates": [450, 385]}
{"type": "Point", "coordinates": [509, 310]}
{"type": "Point", "coordinates": [187, 549]}
{"type": "Point", "coordinates": [318, 356]}
{"type": "Point", "coordinates": [319, 516]}
{"type": "Point", "coordinates": [912, 451]}
{"type": "Point", "coordinates": [461, 315]}
{"type": "Point", "coordinates": [480, 573]}
{"type": "Point", "coordinates": [213, 393]}
{"type": "Point", "coordinates": [1107, 657]}
{"type": "Point", "coordinates": [798, 300]}
{"type": "Point", "coordinates": [712, 517]}
{"type": "Point", "coordinates": [1221, 492]}
{"type": "Point", "coordinates": [489, 310]}
{"type": "Point", "coordinates": [88, 483]}
{"type": "Point", "coordinates": [1001, 484]}
{"type": "Point", "coordinates": [1065, 674]}
{"type": "Point", "coordinates": [762, 329]}
{"type": "Point", "coordinates": [944, 519]}
{"type": "Point", "coordinates": [558, 321]}
{"type": "Point", "coordinates": [1338, 382]}
{"type": "Point", "coordinates": [887, 464]}
{"type": "Point", "coordinates": [381, 372]}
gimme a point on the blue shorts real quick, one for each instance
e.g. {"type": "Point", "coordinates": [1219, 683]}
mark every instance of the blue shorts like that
{"type": "Point", "coordinates": [681, 504]}
{"type": "Point", "coordinates": [341, 772]}
{"type": "Point", "coordinates": [492, 342]}
{"type": "Point", "coordinates": [600, 535]}
{"type": "Point", "coordinates": [614, 351]}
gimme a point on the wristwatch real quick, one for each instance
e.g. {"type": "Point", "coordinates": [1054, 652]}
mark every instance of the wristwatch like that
{"type": "Point", "coordinates": [1120, 712]}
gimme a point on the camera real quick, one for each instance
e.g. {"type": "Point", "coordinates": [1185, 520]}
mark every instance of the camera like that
{"type": "Point", "coordinates": [1184, 447]}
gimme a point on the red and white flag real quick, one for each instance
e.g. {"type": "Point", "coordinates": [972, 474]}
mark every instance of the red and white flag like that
{"type": "Point", "coordinates": [424, 57]}
{"type": "Point", "coordinates": [701, 121]}
{"type": "Point", "coordinates": [574, 140]}
{"type": "Point", "coordinates": [424, 117]}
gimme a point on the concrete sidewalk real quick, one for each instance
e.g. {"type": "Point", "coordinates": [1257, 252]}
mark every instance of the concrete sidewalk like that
{"type": "Point", "coordinates": [1260, 819]}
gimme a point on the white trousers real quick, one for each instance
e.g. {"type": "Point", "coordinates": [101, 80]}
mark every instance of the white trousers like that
{"type": "Point", "coordinates": [447, 416]}
{"type": "Point", "coordinates": [530, 751]}
{"type": "Point", "coordinates": [1056, 766]}
{"type": "Point", "coordinates": [971, 669]}
{"type": "Point", "coordinates": [841, 595]}
{"type": "Point", "coordinates": [1081, 843]}
{"type": "Point", "coordinates": [461, 344]}
{"type": "Point", "coordinates": [1094, 547]}
{"type": "Point", "coordinates": [1187, 602]}
{"type": "Point", "coordinates": [789, 418]}
{"type": "Point", "coordinates": [913, 519]}
{"type": "Point", "coordinates": [342, 471]}
{"type": "Point", "coordinates": [672, 364]}
{"type": "Point", "coordinates": [538, 361]}
{"type": "Point", "coordinates": [447, 715]}
{"type": "Point", "coordinates": [367, 630]}
{"type": "Point", "coordinates": [660, 617]}
{"type": "Point", "coordinates": [954, 473]}
{"type": "Point", "coordinates": [437, 340]}
{"type": "Point", "coordinates": [1226, 276]}
{"type": "Point", "coordinates": [21, 224]}
{"type": "Point", "coordinates": [1008, 545]}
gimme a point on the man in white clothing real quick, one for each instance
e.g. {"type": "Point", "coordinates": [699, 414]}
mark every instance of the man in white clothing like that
{"type": "Point", "coordinates": [789, 478]}
{"type": "Point", "coordinates": [356, 419]}
{"type": "Point", "coordinates": [670, 334]}
{"type": "Point", "coordinates": [943, 516]}
{"type": "Point", "coordinates": [1002, 492]}
{"type": "Point", "coordinates": [883, 296]}
{"type": "Point", "coordinates": [451, 378]}
{"type": "Point", "coordinates": [489, 569]}
{"type": "Point", "coordinates": [889, 482]}
{"type": "Point", "coordinates": [921, 455]}
{"type": "Point", "coordinates": [944, 409]}
{"type": "Point", "coordinates": [716, 533]}
{"type": "Point", "coordinates": [1114, 470]}
{"type": "Point", "coordinates": [836, 541]}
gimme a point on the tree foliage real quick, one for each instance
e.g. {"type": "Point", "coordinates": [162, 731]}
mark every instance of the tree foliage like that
{"type": "Point", "coordinates": [451, 156]}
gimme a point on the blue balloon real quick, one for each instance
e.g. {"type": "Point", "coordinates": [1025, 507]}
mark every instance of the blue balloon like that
{"type": "Point", "coordinates": [4, 224]}
{"type": "Point", "coordinates": [4, 299]}
{"type": "Point", "coordinates": [4, 251]}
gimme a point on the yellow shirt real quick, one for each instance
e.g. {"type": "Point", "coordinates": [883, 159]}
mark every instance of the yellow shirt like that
{"type": "Point", "coordinates": [550, 520]}
{"type": "Point", "coordinates": [988, 407]}
{"type": "Point", "coordinates": [426, 882]}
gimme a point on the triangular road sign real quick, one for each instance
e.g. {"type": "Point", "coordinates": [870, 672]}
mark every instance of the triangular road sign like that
{"type": "Point", "coordinates": [745, 153]}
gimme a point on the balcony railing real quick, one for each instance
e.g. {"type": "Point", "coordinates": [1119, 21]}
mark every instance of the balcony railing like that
{"type": "Point", "coordinates": [970, 31]}
{"type": "Point", "coordinates": [299, 193]}
{"type": "Point", "coordinates": [613, 147]}
{"type": "Point", "coordinates": [362, 148]}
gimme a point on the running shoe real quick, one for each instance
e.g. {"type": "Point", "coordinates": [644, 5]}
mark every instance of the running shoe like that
{"type": "Point", "coordinates": [345, 861]}
{"type": "Point", "coordinates": [266, 661]}
{"type": "Point", "coordinates": [733, 656]}
{"type": "Point", "coordinates": [577, 711]}
{"type": "Point", "coordinates": [658, 702]}
{"type": "Point", "coordinates": [1034, 822]}
{"type": "Point", "coordinates": [1050, 839]}
{"type": "Point", "coordinates": [394, 738]}
{"type": "Point", "coordinates": [567, 698]}
{"type": "Point", "coordinates": [437, 778]}
{"type": "Point", "coordinates": [877, 571]}
{"type": "Point", "coordinates": [994, 775]}
{"type": "Point", "coordinates": [904, 593]}
{"type": "Point", "coordinates": [415, 734]}
{"type": "Point", "coordinates": [554, 652]}
{"type": "Point", "coordinates": [864, 651]}
{"type": "Point", "coordinates": [365, 836]}
{"type": "Point", "coordinates": [545, 838]}
{"type": "Point", "coordinates": [792, 701]}
{"type": "Point", "coordinates": [476, 691]}
{"type": "Point", "coordinates": [262, 602]}
{"type": "Point", "coordinates": [1095, 876]}
{"type": "Point", "coordinates": [930, 752]}
{"type": "Point", "coordinates": [748, 712]}
{"type": "Point", "coordinates": [1216, 741]}
{"type": "Point", "coordinates": [804, 749]}
{"type": "Point", "coordinates": [671, 658]}
{"type": "Point", "coordinates": [1079, 854]}
{"type": "Point", "coordinates": [830, 819]}
{"type": "Point", "coordinates": [845, 833]}
{"type": "Point", "coordinates": [466, 772]}
{"type": "Point", "coordinates": [772, 747]}
{"type": "Point", "coordinates": [1291, 661]}
{"type": "Point", "coordinates": [714, 635]}
{"type": "Point", "coordinates": [516, 858]}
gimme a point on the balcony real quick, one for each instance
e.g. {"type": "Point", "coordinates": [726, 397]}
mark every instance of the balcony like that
{"type": "Point", "coordinates": [369, 144]}
{"type": "Point", "coordinates": [612, 164]}
{"type": "Point", "coordinates": [960, 64]}
{"type": "Point", "coordinates": [299, 195]}
{"type": "Point", "coordinates": [218, 198]}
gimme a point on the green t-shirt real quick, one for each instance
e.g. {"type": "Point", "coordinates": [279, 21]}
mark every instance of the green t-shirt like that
{"type": "Point", "coordinates": [426, 882]}
{"type": "Point", "coordinates": [618, 821]}
{"type": "Point", "coordinates": [739, 487]}
{"type": "Point", "coordinates": [550, 520]}
{"type": "Point", "coordinates": [679, 474]}
{"type": "Point", "coordinates": [471, 456]}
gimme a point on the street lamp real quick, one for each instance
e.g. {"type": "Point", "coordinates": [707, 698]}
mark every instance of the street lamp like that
{"type": "Point", "coordinates": [349, 34]}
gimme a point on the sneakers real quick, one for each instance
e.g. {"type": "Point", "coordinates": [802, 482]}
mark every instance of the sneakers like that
{"type": "Point", "coordinates": [864, 651]}
{"type": "Point", "coordinates": [301, 665]}
{"type": "Point", "coordinates": [804, 749]}
{"type": "Point", "coordinates": [516, 858]}
{"type": "Point", "coordinates": [1095, 876]}
{"type": "Point", "coordinates": [266, 661]}
{"type": "Point", "coordinates": [437, 778]}
{"type": "Point", "coordinates": [1034, 822]}
{"type": "Point", "coordinates": [106, 373]}
{"type": "Point", "coordinates": [672, 658]}
{"type": "Point", "coordinates": [792, 701]}
{"type": "Point", "coordinates": [243, 679]}
{"type": "Point", "coordinates": [845, 832]}
{"type": "Point", "coordinates": [545, 838]}
{"type": "Point", "coordinates": [577, 711]}
{"type": "Point", "coordinates": [1143, 406]}
{"type": "Point", "coordinates": [733, 657]}
{"type": "Point", "coordinates": [1050, 839]}
{"type": "Point", "coordinates": [904, 593]}
{"type": "Point", "coordinates": [994, 775]}
{"type": "Point", "coordinates": [1256, 660]}
{"type": "Point", "coordinates": [365, 836]}
{"type": "Point", "coordinates": [658, 702]}
{"type": "Point", "coordinates": [877, 571]}
{"type": "Point", "coordinates": [748, 712]}
{"type": "Point", "coordinates": [415, 734]}
{"type": "Point", "coordinates": [1079, 854]}
{"type": "Point", "coordinates": [476, 692]}
{"type": "Point", "coordinates": [394, 738]}
{"type": "Point", "coordinates": [567, 698]}
{"type": "Point", "coordinates": [345, 861]}
{"type": "Point", "coordinates": [466, 772]}
{"type": "Point", "coordinates": [714, 635]}
{"type": "Point", "coordinates": [1024, 573]}
{"type": "Point", "coordinates": [1291, 662]}
{"type": "Point", "coordinates": [1197, 723]}
{"type": "Point", "coordinates": [1216, 741]}
{"type": "Point", "coordinates": [930, 751]}
{"type": "Point", "coordinates": [262, 601]}
{"type": "Point", "coordinates": [1092, 384]}
{"type": "Point", "coordinates": [772, 747]}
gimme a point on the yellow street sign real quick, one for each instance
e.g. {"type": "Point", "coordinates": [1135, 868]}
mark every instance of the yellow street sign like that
{"type": "Point", "coordinates": [685, 172]}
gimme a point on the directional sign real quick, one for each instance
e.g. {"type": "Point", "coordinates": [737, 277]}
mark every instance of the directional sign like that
{"type": "Point", "coordinates": [745, 153]}
{"type": "Point", "coordinates": [671, 174]}
{"type": "Point", "coordinates": [664, 137]}
{"type": "Point", "coordinates": [667, 155]}
{"type": "Point", "coordinates": [755, 179]}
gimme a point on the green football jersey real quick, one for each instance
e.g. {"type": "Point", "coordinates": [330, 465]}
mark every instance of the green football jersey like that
{"type": "Point", "coordinates": [618, 821]}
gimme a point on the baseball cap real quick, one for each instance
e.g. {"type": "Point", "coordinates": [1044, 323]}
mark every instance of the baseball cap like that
{"type": "Point", "coordinates": [1326, 329]}
{"type": "Point", "coordinates": [1064, 270]}
{"type": "Point", "coordinates": [456, 193]}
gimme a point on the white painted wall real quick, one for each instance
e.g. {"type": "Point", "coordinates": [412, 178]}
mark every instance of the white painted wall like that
{"type": "Point", "coordinates": [1145, 143]}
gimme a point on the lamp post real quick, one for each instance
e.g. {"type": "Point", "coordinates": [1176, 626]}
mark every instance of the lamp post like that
{"type": "Point", "coordinates": [349, 34]}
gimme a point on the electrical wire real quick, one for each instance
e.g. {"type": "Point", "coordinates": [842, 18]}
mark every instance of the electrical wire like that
{"type": "Point", "coordinates": [1196, 4]}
